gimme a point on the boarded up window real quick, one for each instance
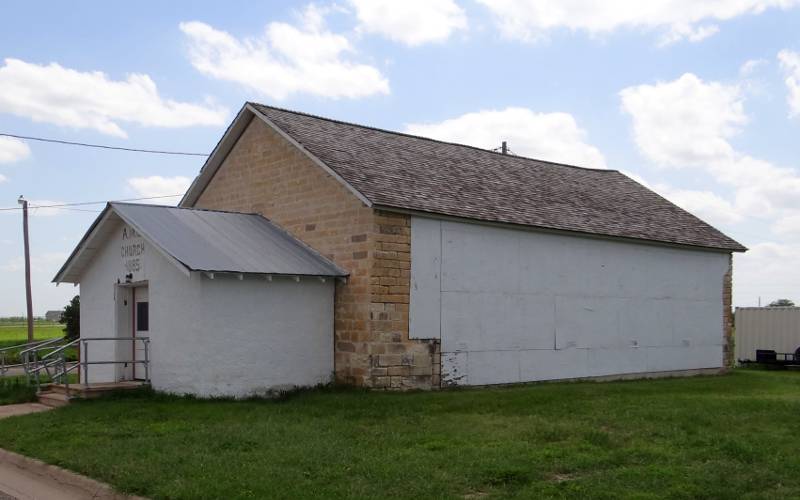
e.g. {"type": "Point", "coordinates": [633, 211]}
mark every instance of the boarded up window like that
{"type": "Point", "coordinates": [142, 316]}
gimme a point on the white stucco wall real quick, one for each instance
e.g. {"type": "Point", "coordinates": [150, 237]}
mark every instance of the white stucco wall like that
{"type": "Point", "coordinates": [220, 337]}
{"type": "Point", "coordinates": [512, 305]}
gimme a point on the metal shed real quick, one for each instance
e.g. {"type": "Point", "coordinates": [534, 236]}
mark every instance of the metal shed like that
{"type": "Point", "coordinates": [773, 328]}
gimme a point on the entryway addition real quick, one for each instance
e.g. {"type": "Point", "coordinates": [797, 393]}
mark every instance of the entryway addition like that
{"type": "Point", "coordinates": [230, 292]}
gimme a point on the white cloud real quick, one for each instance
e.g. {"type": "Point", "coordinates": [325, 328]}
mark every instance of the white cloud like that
{"type": "Point", "coordinates": [286, 60]}
{"type": "Point", "coordinates": [769, 270]}
{"type": "Point", "coordinates": [750, 66]}
{"type": "Point", "coordinates": [157, 185]}
{"type": "Point", "coordinates": [45, 296]}
{"type": "Point", "coordinates": [694, 34]}
{"type": "Point", "coordinates": [412, 22]}
{"type": "Point", "coordinates": [689, 123]}
{"type": "Point", "coordinates": [788, 227]}
{"type": "Point", "coordinates": [3, 178]}
{"type": "Point", "coordinates": [39, 262]}
{"type": "Point", "coordinates": [532, 20]}
{"type": "Point", "coordinates": [706, 205]}
{"type": "Point", "coordinates": [684, 122]}
{"type": "Point", "coordinates": [13, 149]}
{"type": "Point", "coordinates": [790, 62]}
{"type": "Point", "coordinates": [546, 136]}
{"type": "Point", "coordinates": [62, 96]}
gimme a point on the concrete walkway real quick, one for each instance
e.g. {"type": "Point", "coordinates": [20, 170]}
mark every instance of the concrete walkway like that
{"type": "Point", "coordinates": [22, 409]}
{"type": "Point", "coordinates": [26, 478]}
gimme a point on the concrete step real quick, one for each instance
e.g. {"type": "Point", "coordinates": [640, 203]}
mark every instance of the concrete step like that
{"type": "Point", "coordinates": [93, 390]}
{"type": "Point", "coordinates": [54, 399]}
{"type": "Point", "coordinates": [62, 389]}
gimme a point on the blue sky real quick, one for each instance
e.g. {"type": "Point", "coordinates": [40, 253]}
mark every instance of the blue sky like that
{"type": "Point", "coordinates": [699, 100]}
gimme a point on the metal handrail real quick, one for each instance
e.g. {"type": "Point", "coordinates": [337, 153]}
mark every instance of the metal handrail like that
{"type": "Point", "coordinates": [43, 344]}
{"type": "Point", "coordinates": [30, 365]}
{"type": "Point", "coordinates": [45, 366]}
{"type": "Point", "coordinates": [34, 343]}
{"type": "Point", "coordinates": [85, 355]}
{"type": "Point", "coordinates": [114, 338]}
{"type": "Point", "coordinates": [68, 344]}
{"type": "Point", "coordinates": [56, 359]}
{"type": "Point", "coordinates": [5, 367]}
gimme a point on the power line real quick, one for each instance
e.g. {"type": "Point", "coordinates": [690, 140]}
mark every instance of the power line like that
{"type": "Point", "coordinates": [101, 146]}
{"type": "Point", "coordinates": [81, 203]}
{"type": "Point", "coordinates": [73, 210]}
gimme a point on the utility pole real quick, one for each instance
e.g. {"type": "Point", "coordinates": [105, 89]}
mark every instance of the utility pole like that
{"type": "Point", "coordinates": [22, 201]}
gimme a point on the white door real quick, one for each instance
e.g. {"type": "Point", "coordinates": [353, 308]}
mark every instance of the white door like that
{"type": "Point", "coordinates": [141, 328]}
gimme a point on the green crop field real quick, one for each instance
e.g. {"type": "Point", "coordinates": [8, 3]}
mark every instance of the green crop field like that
{"type": "Point", "coordinates": [17, 332]}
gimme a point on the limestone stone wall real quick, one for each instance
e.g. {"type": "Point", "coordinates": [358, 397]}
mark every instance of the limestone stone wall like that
{"type": "Point", "coordinates": [395, 360]}
{"type": "Point", "coordinates": [727, 318]}
{"type": "Point", "coordinates": [266, 174]}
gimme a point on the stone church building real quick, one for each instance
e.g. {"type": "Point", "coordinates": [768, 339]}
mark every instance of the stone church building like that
{"type": "Point", "coordinates": [445, 264]}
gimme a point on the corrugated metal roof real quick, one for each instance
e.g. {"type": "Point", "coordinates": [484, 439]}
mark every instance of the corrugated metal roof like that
{"type": "Point", "coordinates": [214, 241]}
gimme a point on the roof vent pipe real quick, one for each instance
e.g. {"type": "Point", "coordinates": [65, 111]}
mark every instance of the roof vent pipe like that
{"type": "Point", "coordinates": [504, 148]}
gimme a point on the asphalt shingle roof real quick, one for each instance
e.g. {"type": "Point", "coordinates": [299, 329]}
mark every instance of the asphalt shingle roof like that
{"type": "Point", "coordinates": [416, 173]}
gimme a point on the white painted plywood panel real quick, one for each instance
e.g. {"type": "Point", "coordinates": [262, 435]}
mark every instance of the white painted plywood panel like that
{"type": "Point", "coordinates": [479, 259]}
{"type": "Point", "coordinates": [588, 322]}
{"type": "Point", "coordinates": [646, 322]}
{"type": "Point", "coordinates": [614, 361]}
{"type": "Point", "coordinates": [553, 364]}
{"type": "Point", "coordinates": [683, 358]}
{"type": "Point", "coordinates": [425, 307]}
{"type": "Point", "coordinates": [492, 367]}
{"type": "Point", "coordinates": [491, 321]}
{"type": "Point", "coordinates": [454, 368]}
{"type": "Point", "coordinates": [614, 297]}
{"type": "Point", "coordinates": [697, 322]}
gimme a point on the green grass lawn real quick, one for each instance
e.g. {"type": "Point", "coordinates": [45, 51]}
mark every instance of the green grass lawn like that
{"type": "Point", "coordinates": [733, 436]}
{"type": "Point", "coordinates": [15, 390]}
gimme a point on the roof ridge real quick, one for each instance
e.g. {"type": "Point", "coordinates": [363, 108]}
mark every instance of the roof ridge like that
{"type": "Point", "coordinates": [195, 209]}
{"type": "Point", "coordinates": [450, 143]}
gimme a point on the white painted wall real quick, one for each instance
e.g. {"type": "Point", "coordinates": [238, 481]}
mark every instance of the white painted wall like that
{"type": "Point", "coordinates": [513, 306]}
{"type": "Point", "coordinates": [221, 337]}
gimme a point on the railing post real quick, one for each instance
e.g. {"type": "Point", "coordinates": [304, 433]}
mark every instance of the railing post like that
{"type": "Point", "coordinates": [147, 360]}
{"type": "Point", "coordinates": [85, 363]}
{"type": "Point", "coordinates": [64, 375]}
{"type": "Point", "coordinates": [36, 367]}
{"type": "Point", "coordinates": [26, 366]}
